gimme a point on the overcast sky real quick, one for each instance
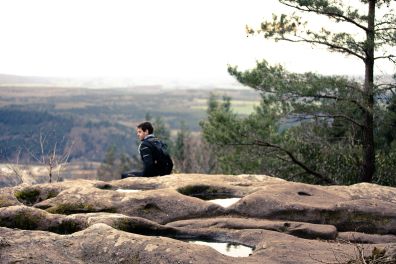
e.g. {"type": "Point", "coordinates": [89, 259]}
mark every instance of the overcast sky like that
{"type": "Point", "coordinates": [150, 41]}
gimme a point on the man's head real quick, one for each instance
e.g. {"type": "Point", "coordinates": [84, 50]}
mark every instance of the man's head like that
{"type": "Point", "coordinates": [144, 129]}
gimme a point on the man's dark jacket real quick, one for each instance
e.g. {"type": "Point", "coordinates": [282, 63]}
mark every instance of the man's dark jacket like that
{"type": "Point", "coordinates": [147, 155]}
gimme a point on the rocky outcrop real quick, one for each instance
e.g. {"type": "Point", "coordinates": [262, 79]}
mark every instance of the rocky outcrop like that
{"type": "Point", "coordinates": [154, 220]}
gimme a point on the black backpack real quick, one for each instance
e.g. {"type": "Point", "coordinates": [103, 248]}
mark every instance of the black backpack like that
{"type": "Point", "coordinates": [162, 159]}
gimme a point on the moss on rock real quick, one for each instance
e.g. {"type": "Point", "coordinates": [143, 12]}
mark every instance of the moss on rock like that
{"type": "Point", "coordinates": [28, 196]}
{"type": "Point", "coordinates": [67, 226]}
{"type": "Point", "coordinates": [22, 220]}
{"type": "Point", "coordinates": [75, 208]}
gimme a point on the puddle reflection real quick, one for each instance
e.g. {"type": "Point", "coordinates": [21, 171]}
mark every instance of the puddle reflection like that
{"type": "Point", "coordinates": [225, 202]}
{"type": "Point", "coordinates": [128, 190]}
{"type": "Point", "coordinates": [229, 249]}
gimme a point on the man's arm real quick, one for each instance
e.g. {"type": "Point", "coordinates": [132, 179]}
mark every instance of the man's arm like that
{"type": "Point", "coordinates": [148, 161]}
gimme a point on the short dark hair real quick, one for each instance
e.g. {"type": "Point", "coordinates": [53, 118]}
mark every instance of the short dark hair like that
{"type": "Point", "coordinates": [146, 126]}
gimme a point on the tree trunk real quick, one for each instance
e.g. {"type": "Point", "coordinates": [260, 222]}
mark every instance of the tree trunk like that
{"type": "Point", "coordinates": [368, 165]}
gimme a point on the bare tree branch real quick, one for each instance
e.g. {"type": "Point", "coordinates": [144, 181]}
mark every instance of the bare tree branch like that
{"type": "Point", "coordinates": [15, 167]}
{"type": "Point", "coordinates": [52, 160]}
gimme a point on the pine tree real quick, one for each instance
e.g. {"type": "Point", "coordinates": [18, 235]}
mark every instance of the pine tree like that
{"type": "Point", "coordinates": [330, 101]}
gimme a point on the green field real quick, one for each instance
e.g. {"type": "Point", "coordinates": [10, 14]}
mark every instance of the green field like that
{"type": "Point", "coordinates": [242, 107]}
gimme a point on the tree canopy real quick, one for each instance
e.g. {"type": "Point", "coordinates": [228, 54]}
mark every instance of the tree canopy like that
{"type": "Point", "coordinates": [310, 126]}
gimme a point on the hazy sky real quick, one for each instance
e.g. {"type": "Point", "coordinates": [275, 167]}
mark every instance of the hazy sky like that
{"type": "Point", "coordinates": [150, 41]}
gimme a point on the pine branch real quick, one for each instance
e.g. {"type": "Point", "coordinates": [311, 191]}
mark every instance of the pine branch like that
{"type": "Point", "coordinates": [334, 97]}
{"type": "Point", "coordinates": [389, 57]}
{"type": "Point", "coordinates": [329, 14]}
{"type": "Point", "coordinates": [385, 29]}
{"type": "Point", "coordinates": [296, 161]}
{"type": "Point", "coordinates": [388, 86]}
{"type": "Point", "coordinates": [337, 98]}
{"type": "Point", "coordinates": [337, 116]}
{"type": "Point", "coordinates": [330, 45]}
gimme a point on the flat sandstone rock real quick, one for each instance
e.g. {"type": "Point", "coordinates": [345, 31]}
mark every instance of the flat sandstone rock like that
{"type": "Point", "coordinates": [86, 221]}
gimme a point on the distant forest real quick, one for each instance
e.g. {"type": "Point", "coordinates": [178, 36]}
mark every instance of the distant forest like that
{"type": "Point", "coordinates": [96, 119]}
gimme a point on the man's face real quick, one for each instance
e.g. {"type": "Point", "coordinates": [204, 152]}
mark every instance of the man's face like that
{"type": "Point", "coordinates": [141, 134]}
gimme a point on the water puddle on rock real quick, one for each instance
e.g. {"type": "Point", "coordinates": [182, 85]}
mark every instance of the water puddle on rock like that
{"type": "Point", "coordinates": [128, 190]}
{"type": "Point", "coordinates": [228, 249]}
{"type": "Point", "coordinates": [225, 202]}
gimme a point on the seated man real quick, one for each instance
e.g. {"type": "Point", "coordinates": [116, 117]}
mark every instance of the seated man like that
{"type": "Point", "coordinates": [156, 160]}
